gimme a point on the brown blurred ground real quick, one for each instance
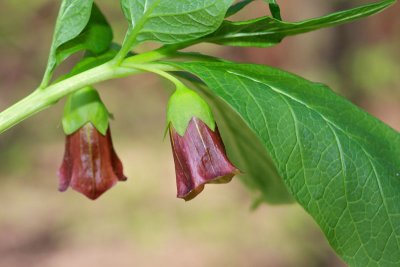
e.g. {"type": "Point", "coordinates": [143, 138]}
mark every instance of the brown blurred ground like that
{"type": "Point", "coordinates": [140, 222]}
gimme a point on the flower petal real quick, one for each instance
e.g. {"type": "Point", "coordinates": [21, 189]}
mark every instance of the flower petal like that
{"type": "Point", "coordinates": [200, 158]}
{"type": "Point", "coordinates": [91, 163]}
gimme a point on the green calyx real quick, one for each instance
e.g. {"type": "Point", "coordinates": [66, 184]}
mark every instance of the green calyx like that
{"type": "Point", "coordinates": [183, 105]}
{"type": "Point", "coordinates": [82, 107]}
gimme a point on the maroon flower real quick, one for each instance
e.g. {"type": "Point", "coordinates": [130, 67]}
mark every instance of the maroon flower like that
{"type": "Point", "coordinates": [200, 158]}
{"type": "Point", "coordinates": [90, 164]}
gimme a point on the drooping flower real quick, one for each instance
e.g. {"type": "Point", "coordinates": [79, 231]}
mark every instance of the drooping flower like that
{"type": "Point", "coordinates": [199, 153]}
{"type": "Point", "coordinates": [200, 158]}
{"type": "Point", "coordinates": [90, 165]}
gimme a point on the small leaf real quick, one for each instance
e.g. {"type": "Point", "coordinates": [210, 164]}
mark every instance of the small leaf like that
{"type": "Point", "coordinates": [275, 9]}
{"type": "Point", "coordinates": [95, 38]}
{"type": "Point", "coordinates": [80, 26]}
{"type": "Point", "coordinates": [267, 31]}
{"type": "Point", "coordinates": [235, 8]}
{"type": "Point", "coordinates": [340, 163]}
{"type": "Point", "coordinates": [72, 19]}
{"type": "Point", "coordinates": [171, 21]}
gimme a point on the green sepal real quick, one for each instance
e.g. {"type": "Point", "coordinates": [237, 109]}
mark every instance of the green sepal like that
{"type": "Point", "coordinates": [82, 107]}
{"type": "Point", "coordinates": [183, 105]}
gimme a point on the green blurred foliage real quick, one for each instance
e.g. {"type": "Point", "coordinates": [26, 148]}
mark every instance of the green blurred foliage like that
{"type": "Point", "coordinates": [376, 69]}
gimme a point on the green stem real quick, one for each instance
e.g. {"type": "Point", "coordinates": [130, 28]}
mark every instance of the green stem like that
{"type": "Point", "coordinates": [157, 69]}
{"type": "Point", "coordinates": [41, 99]}
{"type": "Point", "coordinates": [150, 56]}
{"type": "Point", "coordinates": [46, 77]}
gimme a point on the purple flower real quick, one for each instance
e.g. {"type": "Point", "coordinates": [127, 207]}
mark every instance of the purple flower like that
{"type": "Point", "coordinates": [200, 158]}
{"type": "Point", "coordinates": [90, 164]}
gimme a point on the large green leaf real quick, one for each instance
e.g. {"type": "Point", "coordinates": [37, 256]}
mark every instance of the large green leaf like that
{"type": "Point", "coordinates": [171, 21]}
{"type": "Point", "coordinates": [341, 164]}
{"type": "Point", "coordinates": [80, 26]}
{"type": "Point", "coordinates": [267, 31]}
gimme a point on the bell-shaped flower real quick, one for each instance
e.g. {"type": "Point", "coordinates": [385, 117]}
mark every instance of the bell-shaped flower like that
{"type": "Point", "coordinates": [90, 165]}
{"type": "Point", "coordinates": [198, 150]}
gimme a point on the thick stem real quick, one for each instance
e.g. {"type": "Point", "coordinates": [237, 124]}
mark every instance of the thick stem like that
{"type": "Point", "coordinates": [43, 98]}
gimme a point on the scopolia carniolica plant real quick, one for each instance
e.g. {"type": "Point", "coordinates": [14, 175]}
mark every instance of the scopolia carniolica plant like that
{"type": "Point", "coordinates": [287, 139]}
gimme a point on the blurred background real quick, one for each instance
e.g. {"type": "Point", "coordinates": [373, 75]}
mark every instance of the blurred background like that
{"type": "Point", "coordinates": [140, 222]}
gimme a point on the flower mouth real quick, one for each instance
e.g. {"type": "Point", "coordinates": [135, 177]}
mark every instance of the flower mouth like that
{"type": "Point", "coordinates": [198, 189]}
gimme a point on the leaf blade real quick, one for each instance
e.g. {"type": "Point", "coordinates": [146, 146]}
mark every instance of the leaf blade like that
{"type": "Point", "coordinates": [341, 164]}
{"type": "Point", "coordinates": [267, 31]}
{"type": "Point", "coordinates": [95, 38]}
{"type": "Point", "coordinates": [80, 26]}
{"type": "Point", "coordinates": [71, 20]}
{"type": "Point", "coordinates": [170, 22]}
